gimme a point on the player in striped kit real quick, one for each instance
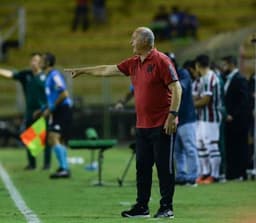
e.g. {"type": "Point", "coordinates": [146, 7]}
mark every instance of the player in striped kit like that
{"type": "Point", "coordinates": [209, 106]}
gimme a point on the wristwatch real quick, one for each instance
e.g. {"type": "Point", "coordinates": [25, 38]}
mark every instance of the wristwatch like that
{"type": "Point", "coordinates": [174, 113]}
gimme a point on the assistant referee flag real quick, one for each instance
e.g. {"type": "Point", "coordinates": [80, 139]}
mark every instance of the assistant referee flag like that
{"type": "Point", "coordinates": [34, 137]}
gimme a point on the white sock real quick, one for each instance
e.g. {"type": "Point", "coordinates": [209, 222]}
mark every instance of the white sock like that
{"type": "Point", "coordinates": [204, 161]}
{"type": "Point", "coordinates": [215, 159]}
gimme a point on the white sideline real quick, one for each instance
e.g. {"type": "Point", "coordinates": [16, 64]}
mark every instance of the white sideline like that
{"type": "Point", "coordinates": [30, 216]}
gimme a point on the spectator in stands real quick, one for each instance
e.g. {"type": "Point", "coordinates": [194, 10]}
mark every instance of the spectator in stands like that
{"type": "Point", "coordinates": [99, 11]}
{"type": "Point", "coordinates": [189, 25]}
{"type": "Point", "coordinates": [160, 24]}
{"type": "Point", "coordinates": [176, 20]}
{"type": "Point", "coordinates": [32, 81]}
{"type": "Point", "coordinates": [81, 15]}
{"type": "Point", "coordinates": [59, 111]}
{"type": "Point", "coordinates": [236, 130]}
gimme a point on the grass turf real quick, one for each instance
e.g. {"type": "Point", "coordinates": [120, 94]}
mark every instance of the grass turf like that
{"type": "Point", "coordinates": [77, 200]}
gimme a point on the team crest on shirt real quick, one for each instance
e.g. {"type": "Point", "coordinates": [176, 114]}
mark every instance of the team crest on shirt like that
{"type": "Point", "coordinates": [150, 68]}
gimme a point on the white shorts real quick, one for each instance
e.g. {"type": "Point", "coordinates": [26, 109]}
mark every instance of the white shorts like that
{"type": "Point", "coordinates": [207, 132]}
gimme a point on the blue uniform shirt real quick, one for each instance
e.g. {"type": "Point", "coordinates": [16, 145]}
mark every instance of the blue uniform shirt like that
{"type": "Point", "coordinates": [187, 112]}
{"type": "Point", "coordinates": [55, 84]}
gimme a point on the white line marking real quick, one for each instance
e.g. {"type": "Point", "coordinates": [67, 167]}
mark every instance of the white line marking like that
{"type": "Point", "coordinates": [30, 216]}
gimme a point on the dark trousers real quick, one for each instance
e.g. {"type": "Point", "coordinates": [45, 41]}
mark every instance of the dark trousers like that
{"type": "Point", "coordinates": [81, 16]}
{"type": "Point", "coordinates": [47, 157]}
{"type": "Point", "coordinates": [236, 146]}
{"type": "Point", "coordinates": [154, 146]}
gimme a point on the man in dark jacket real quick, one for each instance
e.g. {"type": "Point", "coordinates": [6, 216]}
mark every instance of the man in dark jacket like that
{"type": "Point", "coordinates": [237, 125]}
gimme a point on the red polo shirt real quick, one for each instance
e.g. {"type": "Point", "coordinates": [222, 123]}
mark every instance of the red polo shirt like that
{"type": "Point", "coordinates": [150, 79]}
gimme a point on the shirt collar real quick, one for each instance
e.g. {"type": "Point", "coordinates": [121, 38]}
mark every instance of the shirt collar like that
{"type": "Point", "coordinates": [150, 54]}
{"type": "Point", "coordinates": [230, 76]}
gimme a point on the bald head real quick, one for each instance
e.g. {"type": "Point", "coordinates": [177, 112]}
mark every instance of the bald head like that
{"type": "Point", "coordinates": [146, 35]}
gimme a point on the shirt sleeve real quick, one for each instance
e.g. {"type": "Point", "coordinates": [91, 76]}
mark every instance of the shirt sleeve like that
{"type": "Point", "coordinates": [19, 75]}
{"type": "Point", "coordinates": [59, 82]}
{"type": "Point", "coordinates": [168, 72]}
{"type": "Point", "coordinates": [126, 66]}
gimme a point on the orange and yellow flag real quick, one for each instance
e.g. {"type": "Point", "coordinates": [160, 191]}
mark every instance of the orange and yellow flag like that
{"type": "Point", "coordinates": [34, 137]}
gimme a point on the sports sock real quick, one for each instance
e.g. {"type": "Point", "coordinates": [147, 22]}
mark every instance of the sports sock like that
{"type": "Point", "coordinates": [204, 161]}
{"type": "Point", "coordinates": [215, 160]}
{"type": "Point", "coordinates": [61, 155]}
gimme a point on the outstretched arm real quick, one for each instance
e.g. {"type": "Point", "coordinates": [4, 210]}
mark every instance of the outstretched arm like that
{"type": "Point", "coordinates": [102, 70]}
{"type": "Point", "coordinates": [6, 73]}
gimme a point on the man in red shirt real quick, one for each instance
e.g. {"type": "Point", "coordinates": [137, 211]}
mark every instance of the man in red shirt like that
{"type": "Point", "coordinates": [157, 94]}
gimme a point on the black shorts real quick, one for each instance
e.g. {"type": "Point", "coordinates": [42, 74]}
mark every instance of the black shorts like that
{"type": "Point", "coordinates": [61, 121]}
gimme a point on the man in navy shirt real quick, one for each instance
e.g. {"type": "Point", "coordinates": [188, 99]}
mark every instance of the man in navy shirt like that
{"type": "Point", "coordinates": [185, 150]}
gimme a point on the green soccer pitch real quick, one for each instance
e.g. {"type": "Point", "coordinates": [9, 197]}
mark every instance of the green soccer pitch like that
{"type": "Point", "coordinates": [77, 200]}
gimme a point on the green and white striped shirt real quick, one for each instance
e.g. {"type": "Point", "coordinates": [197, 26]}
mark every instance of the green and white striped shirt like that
{"type": "Point", "coordinates": [210, 85]}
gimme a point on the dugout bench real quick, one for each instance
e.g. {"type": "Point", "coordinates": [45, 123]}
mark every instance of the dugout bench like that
{"type": "Point", "coordinates": [94, 144]}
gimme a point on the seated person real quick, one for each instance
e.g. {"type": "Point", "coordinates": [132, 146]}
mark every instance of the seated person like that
{"type": "Point", "coordinates": [176, 19]}
{"type": "Point", "coordinates": [190, 24]}
{"type": "Point", "coordinates": [160, 24]}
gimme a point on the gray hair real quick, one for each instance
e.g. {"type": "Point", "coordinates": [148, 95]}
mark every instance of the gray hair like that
{"type": "Point", "coordinates": [147, 35]}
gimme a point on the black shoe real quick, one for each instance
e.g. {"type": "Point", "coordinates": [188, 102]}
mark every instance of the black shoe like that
{"type": "Point", "coordinates": [29, 167]}
{"type": "Point", "coordinates": [164, 212]}
{"type": "Point", "coordinates": [60, 173]}
{"type": "Point", "coordinates": [137, 211]}
{"type": "Point", "coordinates": [180, 182]}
